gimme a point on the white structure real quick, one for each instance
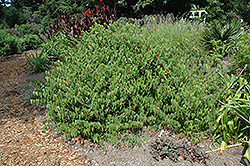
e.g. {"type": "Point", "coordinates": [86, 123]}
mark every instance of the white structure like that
{"type": "Point", "coordinates": [194, 14]}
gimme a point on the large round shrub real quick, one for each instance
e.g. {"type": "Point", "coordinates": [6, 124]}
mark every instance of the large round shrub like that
{"type": "Point", "coordinates": [8, 44]}
{"type": "Point", "coordinates": [122, 78]}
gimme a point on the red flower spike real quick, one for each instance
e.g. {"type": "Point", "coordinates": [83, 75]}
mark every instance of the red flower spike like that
{"type": "Point", "coordinates": [96, 7]}
{"type": "Point", "coordinates": [108, 7]}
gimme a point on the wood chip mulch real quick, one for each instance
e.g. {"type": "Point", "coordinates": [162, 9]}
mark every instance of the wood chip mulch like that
{"type": "Point", "coordinates": [22, 139]}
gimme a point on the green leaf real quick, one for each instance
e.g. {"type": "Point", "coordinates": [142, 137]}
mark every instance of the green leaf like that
{"type": "Point", "coordinates": [231, 125]}
{"type": "Point", "coordinates": [223, 145]}
{"type": "Point", "coordinates": [247, 154]}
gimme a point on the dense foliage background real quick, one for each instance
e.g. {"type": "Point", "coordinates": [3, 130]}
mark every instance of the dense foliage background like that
{"type": "Point", "coordinates": [32, 17]}
{"type": "Point", "coordinates": [41, 11]}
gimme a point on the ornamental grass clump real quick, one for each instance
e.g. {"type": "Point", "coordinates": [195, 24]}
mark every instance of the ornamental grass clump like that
{"type": "Point", "coordinates": [120, 78]}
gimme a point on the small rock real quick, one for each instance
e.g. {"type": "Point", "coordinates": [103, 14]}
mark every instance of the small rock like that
{"type": "Point", "coordinates": [201, 145]}
{"type": "Point", "coordinates": [58, 161]}
{"type": "Point", "coordinates": [180, 158]}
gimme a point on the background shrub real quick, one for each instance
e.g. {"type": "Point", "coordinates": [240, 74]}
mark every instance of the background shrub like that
{"type": "Point", "coordinates": [12, 31]}
{"type": "Point", "coordinates": [241, 54]}
{"type": "Point", "coordinates": [11, 44]}
{"type": "Point", "coordinates": [30, 42]}
{"type": "Point", "coordinates": [8, 44]}
{"type": "Point", "coordinates": [27, 29]}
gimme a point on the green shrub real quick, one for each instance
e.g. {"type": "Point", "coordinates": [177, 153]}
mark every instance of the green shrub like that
{"type": "Point", "coordinates": [29, 42]}
{"type": "Point", "coordinates": [11, 44]}
{"type": "Point", "coordinates": [8, 44]}
{"type": "Point", "coordinates": [27, 29]}
{"type": "Point", "coordinates": [121, 78]}
{"type": "Point", "coordinates": [241, 54]}
{"type": "Point", "coordinates": [11, 31]}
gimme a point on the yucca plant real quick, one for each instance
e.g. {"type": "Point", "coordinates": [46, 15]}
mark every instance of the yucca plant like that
{"type": "Point", "coordinates": [218, 32]}
{"type": "Point", "coordinates": [235, 111]}
{"type": "Point", "coordinates": [234, 119]}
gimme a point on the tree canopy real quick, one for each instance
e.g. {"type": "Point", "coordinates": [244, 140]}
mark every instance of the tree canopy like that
{"type": "Point", "coordinates": [37, 11]}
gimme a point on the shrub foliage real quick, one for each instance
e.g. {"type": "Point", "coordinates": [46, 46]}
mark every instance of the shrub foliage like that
{"type": "Point", "coordinates": [121, 78]}
{"type": "Point", "coordinates": [8, 43]}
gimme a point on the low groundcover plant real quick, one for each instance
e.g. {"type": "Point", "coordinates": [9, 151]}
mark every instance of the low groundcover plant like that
{"type": "Point", "coordinates": [118, 79]}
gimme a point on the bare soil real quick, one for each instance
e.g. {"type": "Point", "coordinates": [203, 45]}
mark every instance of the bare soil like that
{"type": "Point", "coordinates": [23, 142]}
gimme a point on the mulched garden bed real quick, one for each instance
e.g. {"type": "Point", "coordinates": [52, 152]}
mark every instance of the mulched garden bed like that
{"type": "Point", "coordinates": [23, 142]}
